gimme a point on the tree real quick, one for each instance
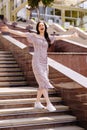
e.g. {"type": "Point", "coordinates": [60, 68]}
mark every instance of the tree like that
{"type": "Point", "coordinates": [45, 4]}
{"type": "Point", "coordinates": [34, 4]}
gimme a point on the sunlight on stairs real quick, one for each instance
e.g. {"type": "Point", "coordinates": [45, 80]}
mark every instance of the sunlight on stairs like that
{"type": "Point", "coordinates": [17, 101]}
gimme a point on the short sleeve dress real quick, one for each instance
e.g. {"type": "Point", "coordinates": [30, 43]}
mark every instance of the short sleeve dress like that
{"type": "Point", "coordinates": [39, 60]}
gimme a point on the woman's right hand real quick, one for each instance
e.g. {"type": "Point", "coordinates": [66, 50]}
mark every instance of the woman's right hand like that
{"type": "Point", "coordinates": [4, 28]}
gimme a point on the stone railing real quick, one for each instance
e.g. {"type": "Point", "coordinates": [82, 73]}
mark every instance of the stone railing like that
{"type": "Point", "coordinates": [23, 57]}
{"type": "Point", "coordinates": [68, 90]}
{"type": "Point", "coordinates": [21, 53]}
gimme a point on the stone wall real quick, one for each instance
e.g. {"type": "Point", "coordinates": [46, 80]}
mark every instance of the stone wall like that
{"type": "Point", "coordinates": [75, 61]}
{"type": "Point", "coordinates": [22, 56]}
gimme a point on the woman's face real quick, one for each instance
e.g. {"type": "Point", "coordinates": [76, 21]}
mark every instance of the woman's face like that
{"type": "Point", "coordinates": [41, 27]}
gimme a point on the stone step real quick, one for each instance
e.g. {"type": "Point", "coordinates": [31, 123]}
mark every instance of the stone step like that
{"type": "Point", "coordinates": [6, 56]}
{"type": "Point", "coordinates": [39, 122]}
{"type": "Point", "coordinates": [8, 62]}
{"type": "Point", "coordinates": [13, 84]}
{"type": "Point", "coordinates": [19, 91]}
{"type": "Point", "coordinates": [64, 128]}
{"type": "Point", "coordinates": [17, 106]}
{"type": "Point", "coordinates": [26, 102]}
{"type": "Point", "coordinates": [31, 112]}
{"type": "Point", "coordinates": [7, 59]}
{"type": "Point", "coordinates": [22, 91]}
{"type": "Point", "coordinates": [26, 92]}
{"type": "Point", "coordinates": [5, 52]}
{"type": "Point", "coordinates": [5, 74]}
{"type": "Point", "coordinates": [10, 69]}
{"type": "Point", "coordinates": [10, 79]}
{"type": "Point", "coordinates": [9, 65]}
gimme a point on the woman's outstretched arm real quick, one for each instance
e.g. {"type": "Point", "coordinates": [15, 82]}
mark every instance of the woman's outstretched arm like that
{"type": "Point", "coordinates": [7, 29]}
{"type": "Point", "coordinates": [66, 36]}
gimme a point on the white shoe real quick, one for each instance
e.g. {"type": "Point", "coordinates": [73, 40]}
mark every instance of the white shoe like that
{"type": "Point", "coordinates": [38, 105]}
{"type": "Point", "coordinates": [50, 107]}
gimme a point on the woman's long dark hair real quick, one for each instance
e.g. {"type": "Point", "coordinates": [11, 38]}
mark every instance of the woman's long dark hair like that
{"type": "Point", "coordinates": [45, 33]}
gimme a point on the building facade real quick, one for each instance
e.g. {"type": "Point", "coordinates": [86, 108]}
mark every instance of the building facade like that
{"type": "Point", "coordinates": [63, 12]}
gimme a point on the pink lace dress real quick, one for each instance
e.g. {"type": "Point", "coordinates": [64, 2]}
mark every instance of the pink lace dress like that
{"type": "Point", "coordinates": [39, 61]}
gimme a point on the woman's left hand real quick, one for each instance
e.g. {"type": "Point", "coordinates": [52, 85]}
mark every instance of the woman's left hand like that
{"type": "Point", "coordinates": [74, 35]}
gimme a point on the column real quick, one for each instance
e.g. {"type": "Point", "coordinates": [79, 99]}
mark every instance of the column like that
{"type": "Point", "coordinates": [63, 16]}
{"type": "Point", "coordinates": [8, 10]}
{"type": "Point", "coordinates": [27, 14]}
{"type": "Point", "coordinates": [13, 16]}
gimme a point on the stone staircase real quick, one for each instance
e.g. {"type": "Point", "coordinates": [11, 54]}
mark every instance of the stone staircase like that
{"type": "Point", "coordinates": [17, 111]}
{"type": "Point", "coordinates": [17, 101]}
{"type": "Point", "coordinates": [10, 73]}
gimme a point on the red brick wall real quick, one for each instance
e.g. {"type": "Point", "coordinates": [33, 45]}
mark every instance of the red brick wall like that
{"type": "Point", "coordinates": [75, 61]}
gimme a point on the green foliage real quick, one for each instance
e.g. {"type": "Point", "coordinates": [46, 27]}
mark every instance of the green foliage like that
{"type": "Point", "coordinates": [47, 2]}
{"type": "Point", "coordinates": [33, 3]}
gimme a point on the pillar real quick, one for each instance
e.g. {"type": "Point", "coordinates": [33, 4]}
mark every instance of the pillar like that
{"type": "Point", "coordinates": [27, 14]}
{"type": "Point", "coordinates": [63, 16]}
{"type": "Point", "coordinates": [12, 17]}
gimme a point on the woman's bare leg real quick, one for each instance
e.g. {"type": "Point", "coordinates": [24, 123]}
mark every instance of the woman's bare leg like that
{"type": "Point", "coordinates": [38, 103]}
{"type": "Point", "coordinates": [39, 94]}
{"type": "Point", "coordinates": [46, 96]}
{"type": "Point", "coordinates": [50, 106]}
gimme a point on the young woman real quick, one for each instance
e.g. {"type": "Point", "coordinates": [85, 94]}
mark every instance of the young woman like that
{"type": "Point", "coordinates": [41, 41]}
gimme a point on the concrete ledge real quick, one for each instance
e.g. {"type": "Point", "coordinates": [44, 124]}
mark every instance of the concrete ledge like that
{"type": "Point", "coordinates": [15, 42]}
{"type": "Point", "coordinates": [80, 79]}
